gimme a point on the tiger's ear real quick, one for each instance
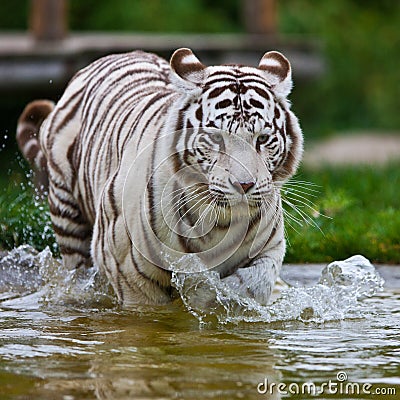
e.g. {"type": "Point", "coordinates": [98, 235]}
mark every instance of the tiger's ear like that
{"type": "Point", "coordinates": [188, 68]}
{"type": "Point", "coordinates": [278, 72]}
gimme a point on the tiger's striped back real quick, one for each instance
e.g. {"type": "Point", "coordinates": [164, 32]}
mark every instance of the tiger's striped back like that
{"type": "Point", "coordinates": [98, 115]}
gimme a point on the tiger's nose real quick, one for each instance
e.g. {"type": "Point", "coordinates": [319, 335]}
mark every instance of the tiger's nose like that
{"type": "Point", "coordinates": [242, 186]}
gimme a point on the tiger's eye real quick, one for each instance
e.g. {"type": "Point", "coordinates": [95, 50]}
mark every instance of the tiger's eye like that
{"type": "Point", "coordinates": [262, 139]}
{"type": "Point", "coordinates": [217, 137]}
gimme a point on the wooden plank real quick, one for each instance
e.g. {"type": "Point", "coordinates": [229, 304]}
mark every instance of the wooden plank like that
{"type": "Point", "coordinates": [25, 62]}
{"type": "Point", "coordinates": [22, 45]}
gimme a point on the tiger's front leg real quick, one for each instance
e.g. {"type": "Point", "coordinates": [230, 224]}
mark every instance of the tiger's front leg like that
{"type": "Point", "coordinates": [257, 280]}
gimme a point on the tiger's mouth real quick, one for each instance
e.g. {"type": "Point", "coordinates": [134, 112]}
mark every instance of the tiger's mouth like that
{"type": "Point", "coordinates": [223, 199]}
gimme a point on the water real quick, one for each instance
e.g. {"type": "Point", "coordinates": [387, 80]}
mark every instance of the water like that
{"type": "Point", "coordinates": [62, 336]}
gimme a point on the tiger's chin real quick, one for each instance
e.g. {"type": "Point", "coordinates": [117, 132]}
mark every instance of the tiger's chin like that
{"type": "Point", "coordinates": [238, 209]}
{"type": "Point", "coordinates": [243, 203]}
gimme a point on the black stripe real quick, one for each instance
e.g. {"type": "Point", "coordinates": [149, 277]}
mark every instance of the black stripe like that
{"type": "Point", "coordinates": [67, 250]}
{"type": "Point", "coordinates": [76, 234]}
{"type": "Point", "coordinates": [69, 116]}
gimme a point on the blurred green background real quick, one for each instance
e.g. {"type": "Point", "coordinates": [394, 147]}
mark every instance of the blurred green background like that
{"type": "Point", "coordinates": [360, 90]}
{"type": "Point", "coordinates": [361, 44]}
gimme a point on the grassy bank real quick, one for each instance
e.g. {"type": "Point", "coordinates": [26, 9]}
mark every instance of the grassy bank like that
{"type": "Point", "coordinates": [361, 215]}
{"type": "Point", "coordinates": [360, 207]}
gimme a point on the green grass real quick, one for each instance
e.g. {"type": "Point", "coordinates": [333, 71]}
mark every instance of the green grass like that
{"type": "Point", "coordinates": [24, 219]}
{"type": "Point", "coordinates": [360, 207]}
{"type": "Point", "coordinates": [361, 215]}
{"type": "Point", "coordinates": [24, 216]}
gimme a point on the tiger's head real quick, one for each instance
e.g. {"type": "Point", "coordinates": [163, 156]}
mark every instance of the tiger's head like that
{"type": "Point", "coordinates": [239, 131]}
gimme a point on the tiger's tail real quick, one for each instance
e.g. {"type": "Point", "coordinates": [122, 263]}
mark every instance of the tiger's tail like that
{"type": "Point", "coordinates": [28, 140]}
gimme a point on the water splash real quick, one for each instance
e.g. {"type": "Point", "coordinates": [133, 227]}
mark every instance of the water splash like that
{"type": "Point", "coordinates": [32, 279]}
{"type": "Point", "coordinates": [337, 296]}
{"type": "Point", "coordinates": [19, 273]}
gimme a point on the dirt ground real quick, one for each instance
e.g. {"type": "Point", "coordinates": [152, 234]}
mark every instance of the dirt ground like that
{"type": "Point", "coordinates": [373, 148]}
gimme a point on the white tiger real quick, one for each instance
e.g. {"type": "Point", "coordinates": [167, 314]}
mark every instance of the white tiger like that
{"type": "Point", "coordinates": [148, 161]}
